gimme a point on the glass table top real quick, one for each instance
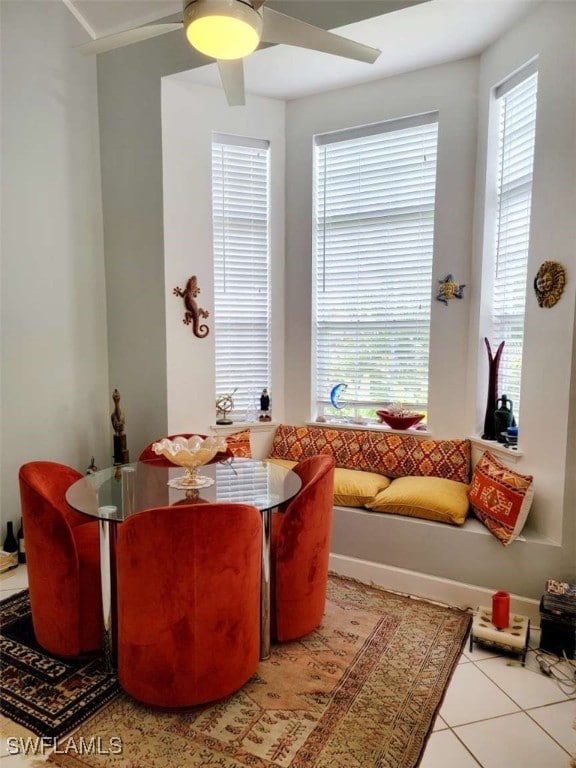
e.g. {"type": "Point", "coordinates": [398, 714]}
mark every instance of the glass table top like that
{"type": "Point", "coordinates": [118, 492]}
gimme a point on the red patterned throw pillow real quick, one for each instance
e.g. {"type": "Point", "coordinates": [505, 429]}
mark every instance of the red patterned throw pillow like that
{"type": "Point", "coordinates": [239, 444]}
{"type": "Point", "coordinates": [397, 455]}
{"type": "Point", "coordinates": [296, 443]}
{"type": "Point", "coordinates": [500, 498]}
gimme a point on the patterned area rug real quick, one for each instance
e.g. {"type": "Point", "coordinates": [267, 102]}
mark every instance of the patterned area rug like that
{"type": "Point", "coordinates": [360, 692]}
{"type": "Point", "coordinates": [47, 695]}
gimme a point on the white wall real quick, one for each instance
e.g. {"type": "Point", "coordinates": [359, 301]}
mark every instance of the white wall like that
{"type": "Point", "coordinates": [451, 90]}
{"type": "Point", "coordinates": [54, 364]}
{"type": "Point", "coordinates": [458, 381]}
{"type": "Point", "coordinates": [190, 113]}
{"type": "Point", "coordinates": [129, 99]}
{"type": "Point", "coordinates": [54, 387]}
{"type": "Point", "coordinates": [549, 33]}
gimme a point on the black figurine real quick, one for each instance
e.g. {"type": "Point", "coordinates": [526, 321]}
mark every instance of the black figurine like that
{"type": "Point", "coordinates": [264, 406]}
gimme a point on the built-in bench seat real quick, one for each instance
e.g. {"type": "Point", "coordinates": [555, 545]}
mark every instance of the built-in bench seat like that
{"type": "Point", "coordinates": [402, 474]}
{"type": "Point", "coordinates": [423, 556]}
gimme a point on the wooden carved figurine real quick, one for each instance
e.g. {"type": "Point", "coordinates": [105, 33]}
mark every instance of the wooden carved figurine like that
{"type": "Point", "coordinates": [117, 417]}
{"type": "Point", "coordinates": [193, 312]}
{"type": "Point", "coordinates": [121, 454]}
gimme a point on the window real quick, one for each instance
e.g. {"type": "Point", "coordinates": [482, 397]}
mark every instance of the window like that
{"type": "Point", "coordinates": [240, 194]}
{"type": "Point", "coordinates": [516, 103]}
{"type": "Point", "coordinates": [373, 241]}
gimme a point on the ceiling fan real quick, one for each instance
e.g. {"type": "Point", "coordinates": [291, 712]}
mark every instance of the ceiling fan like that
{"type": "Point", "coordinates": [228, 30]}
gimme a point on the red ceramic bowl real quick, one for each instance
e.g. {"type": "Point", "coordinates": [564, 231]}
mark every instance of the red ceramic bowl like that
{"type": "Point", "coordinates": [399, 422]}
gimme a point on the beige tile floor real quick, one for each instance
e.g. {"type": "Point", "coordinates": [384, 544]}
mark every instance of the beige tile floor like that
{"type": "Point", "coordinates": [496, 713]}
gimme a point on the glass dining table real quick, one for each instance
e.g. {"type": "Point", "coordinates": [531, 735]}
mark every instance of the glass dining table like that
{"type": "Point", "coordinates": [112, 495]}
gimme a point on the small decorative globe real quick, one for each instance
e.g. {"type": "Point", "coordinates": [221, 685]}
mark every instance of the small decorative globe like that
{"type": "Point", "coordinates": [224, 404]}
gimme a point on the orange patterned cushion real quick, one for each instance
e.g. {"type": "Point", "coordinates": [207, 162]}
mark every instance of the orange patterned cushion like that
{"type": "Point", "coordinates": [500, 498]}
{"type": "Point", "coordinates": [296, 443]}
{"type": "Point", "coordinates": [397, 455]}
{"type": "Point", "coordinates": [239, 444]}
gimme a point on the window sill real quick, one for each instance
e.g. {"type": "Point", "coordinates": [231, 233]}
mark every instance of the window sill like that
{"type": "Point", "coordinates": [238, 426]}
{"type": "Point", "coordinates": [512, 454]}
{"type": "Point", "coordinates": [372, 427]}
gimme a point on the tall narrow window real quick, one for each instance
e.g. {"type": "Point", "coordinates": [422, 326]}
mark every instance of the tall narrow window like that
{"type": "Point", "coordinates": [240, 210]}
{"type": "Point", "coordinates": [516, 100]}
{"type": "Point", "coordinates": [373, 241]}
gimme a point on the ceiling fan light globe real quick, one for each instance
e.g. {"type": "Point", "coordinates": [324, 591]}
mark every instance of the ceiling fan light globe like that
{"type": "Point", "coordinates": [223, 29]}
{"type": "Point", "coordinates": [222, 37]}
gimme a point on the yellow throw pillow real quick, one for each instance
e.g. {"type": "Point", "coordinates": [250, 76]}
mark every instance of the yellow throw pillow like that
{"type": "Point", "coordinates": [431, 498]}
{"type": "Point", "coordinates": [354, 488]}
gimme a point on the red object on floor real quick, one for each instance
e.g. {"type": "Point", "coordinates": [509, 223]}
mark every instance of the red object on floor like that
{"type": "Point", "coordinates": [63, 562]}
{"type": "Point", "coordinates": [188, 585]}
{"type": "Point", "coordinates": [501, 610]}
{"type": "Point", "coordinates": [300, 551]}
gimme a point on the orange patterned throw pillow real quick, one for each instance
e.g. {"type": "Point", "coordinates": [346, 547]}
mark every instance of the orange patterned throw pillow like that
{"type": "Point", "coordinates": [239, 444]}
{"type": "Point", "coordinates": [296, 443]}
{"type": "Point", "coordinates": [500, 498]}
{"type": "Point", "coordinates": [407, 455]}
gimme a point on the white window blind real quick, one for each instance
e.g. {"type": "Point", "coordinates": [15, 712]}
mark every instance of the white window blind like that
{"type": "Point", "coordinates": [373, 241]}
{"type": "Point", "coordinates": [517, 127]}
{"type": "Point", "coordinates": [240, 210]}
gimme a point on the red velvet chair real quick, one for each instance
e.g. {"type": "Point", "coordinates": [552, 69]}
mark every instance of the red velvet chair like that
{"type": "Point", "coordinates": [188, 602]}
{"type": "Point", "coordinates": [63, 562]}
{"type": "Point", "coordinates": [300, 551]}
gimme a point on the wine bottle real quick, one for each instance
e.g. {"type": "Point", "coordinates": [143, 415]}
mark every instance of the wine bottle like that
{"type": "Point", "coordinates": [10, 544]}
{"type": "Point", "coordinates": [21, 544]}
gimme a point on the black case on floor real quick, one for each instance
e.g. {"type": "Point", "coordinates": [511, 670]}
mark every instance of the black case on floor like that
{"type": "Point", "coordinates": [558, 630]}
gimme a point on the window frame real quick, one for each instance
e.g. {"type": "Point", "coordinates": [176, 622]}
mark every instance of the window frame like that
{"type": "Point", "coordinates": [498, 232]}
{"type": "Point", "coordinates": [360, 407]}
{"type": "Point", "coordinates": [243, 306]}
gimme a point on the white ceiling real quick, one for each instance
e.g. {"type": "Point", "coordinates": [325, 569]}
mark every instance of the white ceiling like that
{"type": "Point", "coordinates": [105, 17]}
{"type": "Point", "coordinates": [423, 35]}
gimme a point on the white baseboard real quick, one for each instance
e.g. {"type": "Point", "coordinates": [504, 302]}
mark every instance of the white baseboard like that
{"type": "Point", "coordinates": [429, 587]}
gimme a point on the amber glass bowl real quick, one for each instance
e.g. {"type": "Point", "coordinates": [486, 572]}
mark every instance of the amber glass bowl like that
{"type": "Point", "coordinates": [190, 453]}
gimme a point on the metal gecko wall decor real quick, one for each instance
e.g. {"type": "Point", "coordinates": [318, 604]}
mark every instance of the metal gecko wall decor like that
{"type": "Point", "coordinates": [193, 312]}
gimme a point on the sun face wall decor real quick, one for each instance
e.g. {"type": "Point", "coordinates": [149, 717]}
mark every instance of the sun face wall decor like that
{"type": "Point", "coordinates": [549, 283]}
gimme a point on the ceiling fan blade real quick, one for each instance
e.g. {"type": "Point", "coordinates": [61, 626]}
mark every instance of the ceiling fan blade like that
{"type": "Point", "coordinates": [108, 43]}
{"type": "Point", "coordinates": [232, 76]}
{"type": "Point", "coordinates": [279, 28]}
